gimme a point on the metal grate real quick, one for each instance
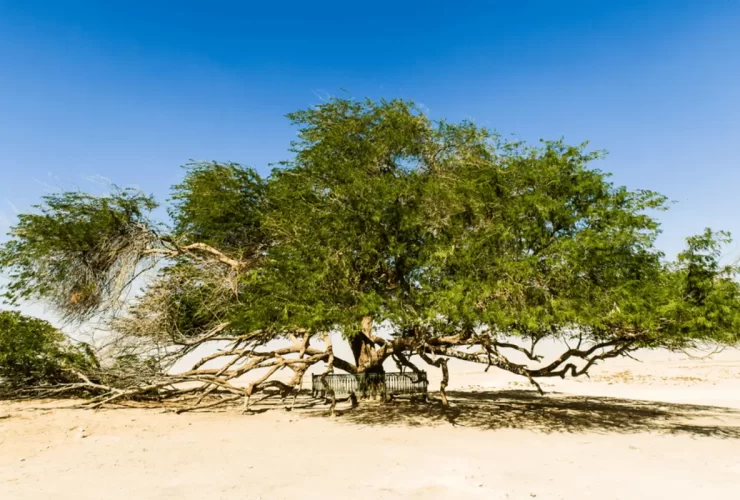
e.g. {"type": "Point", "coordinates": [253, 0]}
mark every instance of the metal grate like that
{"type": "Point", "coordinates": [364, 384]}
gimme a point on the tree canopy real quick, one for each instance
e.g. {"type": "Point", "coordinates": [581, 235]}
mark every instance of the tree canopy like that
{"type": "Point", "coordinates": [460, 244]}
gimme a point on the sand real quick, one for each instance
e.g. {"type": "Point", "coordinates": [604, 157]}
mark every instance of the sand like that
{"type": "Point", "coordinates": [665, 428]}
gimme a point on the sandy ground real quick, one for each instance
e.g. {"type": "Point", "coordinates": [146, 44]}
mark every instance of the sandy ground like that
{"type": "Point", "coordinates": [665, 428]}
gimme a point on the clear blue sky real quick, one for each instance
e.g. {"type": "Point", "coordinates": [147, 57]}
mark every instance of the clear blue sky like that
{"type": "Point", "coordinates": [131, 90]}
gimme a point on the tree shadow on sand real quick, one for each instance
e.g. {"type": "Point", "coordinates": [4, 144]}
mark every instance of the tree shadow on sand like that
{"type": "Point", "coordinates": [553, 412]}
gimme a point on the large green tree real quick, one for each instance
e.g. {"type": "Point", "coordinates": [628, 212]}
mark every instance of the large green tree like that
{"type": "Point", "coordinates": [457, 243]}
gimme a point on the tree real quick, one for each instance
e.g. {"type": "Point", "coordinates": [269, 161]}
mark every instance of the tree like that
{"type": "Point", "coordinates": [458, 243]}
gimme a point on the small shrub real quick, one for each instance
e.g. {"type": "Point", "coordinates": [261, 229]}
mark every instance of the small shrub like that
{"type": "Point", "coordinates": [33, 352]}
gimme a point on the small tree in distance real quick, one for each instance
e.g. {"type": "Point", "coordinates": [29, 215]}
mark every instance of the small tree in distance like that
{"type": "Point", "coordinates": [460, 244]}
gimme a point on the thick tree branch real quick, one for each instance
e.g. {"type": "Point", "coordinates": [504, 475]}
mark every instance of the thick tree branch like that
{"type": "Point", "coordinates": [196, 248]}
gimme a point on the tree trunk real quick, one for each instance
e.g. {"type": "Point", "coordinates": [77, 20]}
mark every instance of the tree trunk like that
{"type": "Point", "coordinates": [369, 365]}
{"type": "Point", "coordinates": [366, 357]}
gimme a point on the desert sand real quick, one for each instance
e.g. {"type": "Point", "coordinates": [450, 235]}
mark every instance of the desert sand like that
{"type": "Point", "coordinates": [668, 427]}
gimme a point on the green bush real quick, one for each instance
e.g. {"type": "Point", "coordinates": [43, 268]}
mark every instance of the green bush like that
{"type": "Point", "coordinates": [33, 352]}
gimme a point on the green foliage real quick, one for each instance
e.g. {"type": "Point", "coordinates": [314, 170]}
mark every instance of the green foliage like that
{"type": "Point", "coordinates": [344, 213]}
{"type": "Point", "coordinates": [220, 205]}
{"type": "Point", "coordinates": [433, 227]}
{"type": "Point", "coordinates": [447, 228]}
{"type": "Point", "coordinates": [33, 352]}
{"type": "Point", "coordinates": [704, 300]}
{"type": "Point", "coordinates": [537, 242]}
{"type": "Point", "coordinates": [72, 250]}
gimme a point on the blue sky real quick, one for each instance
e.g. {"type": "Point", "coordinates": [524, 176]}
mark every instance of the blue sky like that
{"type": "Point", "coordinates": [129, 91]}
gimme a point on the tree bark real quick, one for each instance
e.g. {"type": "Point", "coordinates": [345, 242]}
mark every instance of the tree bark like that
{"type": "Point", "coordinates": [369, 363]}
{"type": "Point", "coordinates": [363, 349]}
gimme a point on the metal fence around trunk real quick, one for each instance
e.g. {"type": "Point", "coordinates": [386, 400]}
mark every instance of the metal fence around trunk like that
{"type": "Point", "coordinates": [371, 384]}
